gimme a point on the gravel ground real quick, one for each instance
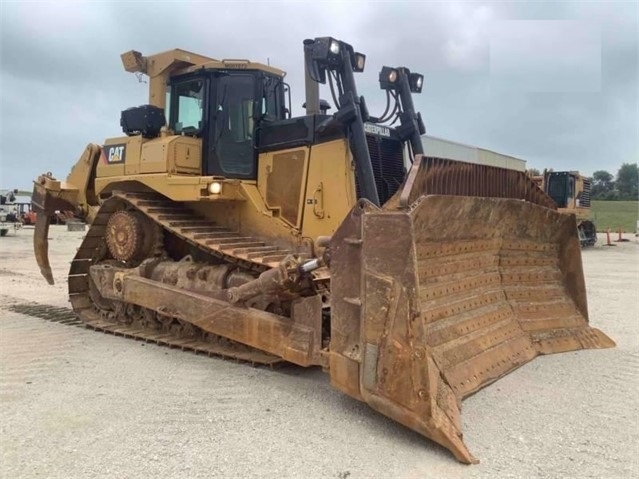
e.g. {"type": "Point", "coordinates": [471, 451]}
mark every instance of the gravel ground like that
{"type": "Point", "coordinates": [81, 404]}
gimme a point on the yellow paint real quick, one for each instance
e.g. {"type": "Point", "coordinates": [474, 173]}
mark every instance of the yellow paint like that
{"type": "Point", "coordinates": [281, 183]}
{"type": "Point", "coordinates": [310, 189]}
{"type": "Point", "coordinates": [330, 188]}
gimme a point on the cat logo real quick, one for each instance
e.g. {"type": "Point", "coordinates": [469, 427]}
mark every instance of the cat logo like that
{"type": "Point", "coordinates": [377, 130]}
{"type": "Point", "coordinates": [113, 154]}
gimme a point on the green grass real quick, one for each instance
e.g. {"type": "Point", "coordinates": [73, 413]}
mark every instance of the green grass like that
{"type": "Point", "coordinates": [615, 214]}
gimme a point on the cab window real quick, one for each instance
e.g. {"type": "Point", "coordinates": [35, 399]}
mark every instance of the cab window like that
{"type": "Point", "coordinates": [272, 107]}
{"type": "Point", "coordinates": [187, 107]}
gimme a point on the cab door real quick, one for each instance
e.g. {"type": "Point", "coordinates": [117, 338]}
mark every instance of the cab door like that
{"type": "Point", "coordinates": [231, 147]}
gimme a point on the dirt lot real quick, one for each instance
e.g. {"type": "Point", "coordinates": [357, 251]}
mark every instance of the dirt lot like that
{"type": "Point", "coordinates": [77, 403]}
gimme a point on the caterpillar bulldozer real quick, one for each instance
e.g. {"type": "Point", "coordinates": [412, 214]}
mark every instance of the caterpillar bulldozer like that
{"type": "Point", "coordinates": [222, 224]}
{"type": "Point", "coordinates": [571, 193]}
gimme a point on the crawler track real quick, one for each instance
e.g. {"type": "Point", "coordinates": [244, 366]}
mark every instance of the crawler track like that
{"type": "Point", "coordinates": [55, 314]}
{"type": "Point", "coordinates": [68, 317]}
{"type": "Point", "coordinates": [131, 321]}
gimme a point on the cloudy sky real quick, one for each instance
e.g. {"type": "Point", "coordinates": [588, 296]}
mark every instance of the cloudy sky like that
{"type": "Point", "coordinates": [553, 83]}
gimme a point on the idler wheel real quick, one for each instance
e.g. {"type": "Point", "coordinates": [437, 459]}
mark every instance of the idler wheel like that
{"type": "Point", "coordinates": [130, 236]}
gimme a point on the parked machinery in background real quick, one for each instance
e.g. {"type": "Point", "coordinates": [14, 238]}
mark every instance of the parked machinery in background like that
{"type": "Point", "coordinates": [571, 193]}
{"type": "Point", "coordinates": [9, 216]}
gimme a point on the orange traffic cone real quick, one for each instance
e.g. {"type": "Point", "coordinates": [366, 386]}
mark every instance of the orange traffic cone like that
{"type": "Point", "coordinates": [621, 239]}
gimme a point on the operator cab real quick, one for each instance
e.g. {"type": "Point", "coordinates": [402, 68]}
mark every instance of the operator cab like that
{"type": "Point", "coordinates": [225, 108]}
{"type": "Point", "coordinates": [561, 188]}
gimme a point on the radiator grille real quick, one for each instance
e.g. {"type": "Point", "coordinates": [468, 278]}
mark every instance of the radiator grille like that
{"type": "Point", "coordinates": [387, 158]}
{"type": "Point", "coordinates": [585, 194]}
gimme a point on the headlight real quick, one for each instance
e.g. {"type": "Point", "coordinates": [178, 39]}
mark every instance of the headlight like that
{"type": "Point", "coordinates": [215, 188]}
{"type": "Point", "coordinates": [329, 54]}
{"type": "Point", "coordinates": [360, 62]}
{"type": "Point", "coordinates": [416, 82]}
{"type": "Point", "coordinates": [387, 78]}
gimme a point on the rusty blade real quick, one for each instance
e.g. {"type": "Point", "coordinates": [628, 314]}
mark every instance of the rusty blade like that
{"type": "Point", "coordinates": [439, 176]}
{"type": "Point", "coordinates": [444, 299]}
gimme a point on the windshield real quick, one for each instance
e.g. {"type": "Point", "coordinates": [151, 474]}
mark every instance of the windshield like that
{"type": "Point", "coordinates": [557, 186]}
{"type": "Point", "coordinates": [186, 106]}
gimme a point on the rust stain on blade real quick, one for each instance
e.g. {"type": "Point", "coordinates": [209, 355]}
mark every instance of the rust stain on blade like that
{"type": "Point", "coordinates": [439, 176]}
{"type": "Point", "coordinates": [453, 294]}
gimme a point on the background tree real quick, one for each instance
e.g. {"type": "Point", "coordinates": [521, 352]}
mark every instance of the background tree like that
{"type": "Point", "coordinates": [533, 172]}
{"type": "Point", "coordinates": [628, 181]}
{"type": "Point", "coordinates": [602, 184]}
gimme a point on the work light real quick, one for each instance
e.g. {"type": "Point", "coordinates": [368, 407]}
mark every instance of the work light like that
{"type": "Point", "coordinates": [327, 53]}
{"type": "Point", "coordinates": [388, 78]}
{"type": "Point", "coordinates": [416, 82]}
{"type": "Point", "coordinates": [359, 62]}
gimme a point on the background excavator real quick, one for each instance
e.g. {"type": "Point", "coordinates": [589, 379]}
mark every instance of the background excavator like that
{"type": "Point", "coordinates": [221, 224]}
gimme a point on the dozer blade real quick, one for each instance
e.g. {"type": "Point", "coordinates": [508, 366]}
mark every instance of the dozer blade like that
{"type": "Point", "coordinates": [434, 302]}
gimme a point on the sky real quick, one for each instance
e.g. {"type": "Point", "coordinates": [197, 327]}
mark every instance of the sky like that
{"type": "Point", "coordinates": [555, 83]}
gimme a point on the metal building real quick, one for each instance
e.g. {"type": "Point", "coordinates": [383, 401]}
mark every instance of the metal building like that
{"type": "Point", "coordinates": [452, 150]}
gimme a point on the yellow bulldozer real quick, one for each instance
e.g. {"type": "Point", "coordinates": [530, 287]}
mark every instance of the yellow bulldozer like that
{"type": "Point", "coordinates": [222, 224]}
{"type": "Point", "coordinates": [571, 193]}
